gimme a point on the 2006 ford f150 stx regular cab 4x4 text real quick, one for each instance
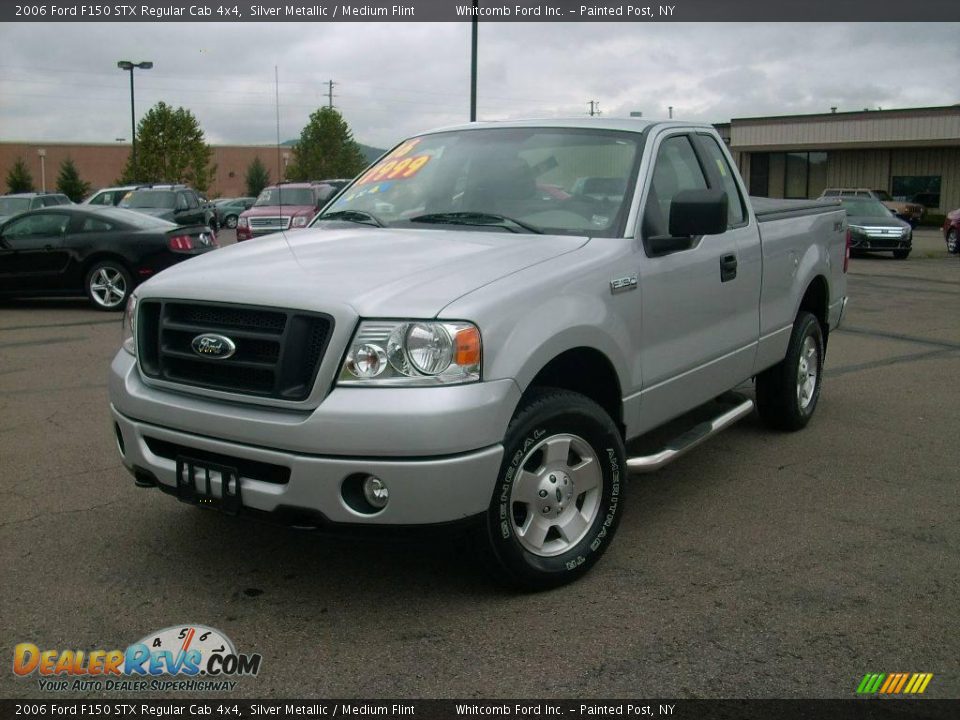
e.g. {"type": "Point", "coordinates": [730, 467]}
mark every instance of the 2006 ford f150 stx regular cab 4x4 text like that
{"type": "Point", "coordinates": [474, 328]}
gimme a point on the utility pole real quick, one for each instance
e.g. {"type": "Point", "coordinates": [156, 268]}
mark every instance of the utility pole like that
{"type": "Point", "coordinates": [330, 84]}
{"type": "Point", "coordinates": [473, 64]}
{"type": "Point", "coordinates": [594, 107]}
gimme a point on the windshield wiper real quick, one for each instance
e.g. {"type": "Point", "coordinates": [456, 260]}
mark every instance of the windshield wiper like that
{"type": "Point", "coordinates": [357, 216]}
{"type": "Point", "coordinates": [477, 218]}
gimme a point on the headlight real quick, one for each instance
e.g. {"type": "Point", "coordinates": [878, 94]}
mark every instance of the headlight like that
{"type": "Point", "coordinates": [412, 352]}
{"type": "Point", "coordinates": [128, 334]}
{"type": "Point", "coordinates": [300, 221]}
{"type": "Point", "coordinates": [242, 222]}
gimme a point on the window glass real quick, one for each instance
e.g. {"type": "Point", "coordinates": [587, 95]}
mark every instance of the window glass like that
{"type": "Point", "coordinates": [759, 174]}
{"type": "Point", "coordinates": [796, 179]}
{"type": "Point", "coordinates": [735, 208]}
{"type": "Point", "coordinates": [818, 173]}
{"type": "Point", "coordinates": [559, 180]}
{"type": "Point", "coordinates": [149, 199]}
{"type": "Point", "coordinates": [777, 174]}
{"type": "Point", "coordinates": [922, 189]}
{"type": "Point", "coordinates": [95, 225]}
{"type": "Point", "coordinates": [13, 205]}
{"type": "Point", "coordinates": [676, 169]}
{"type": "Point", "coordinates": [105, 198]}
{"type": "Point", "coordinates": [40, 225]}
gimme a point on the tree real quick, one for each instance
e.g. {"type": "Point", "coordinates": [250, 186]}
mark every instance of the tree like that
{"type": "Point", "coordinates": [171, 148]}
{"type": "Point", "coordinates": [326, 149]}
{"type": "Point", "coordinates": [19, 178]}
{"type": "Point", "coordinates": [69, 182]}
{"type": "Point", "coordinates": [258, 177]}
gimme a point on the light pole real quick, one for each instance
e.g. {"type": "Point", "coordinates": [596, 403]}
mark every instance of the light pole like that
{"type": "Point", "coordinates": [127, 65]}
{"type": "Point", "coordinates": [43, 169]}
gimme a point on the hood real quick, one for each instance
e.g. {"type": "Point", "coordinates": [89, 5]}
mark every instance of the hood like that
{"type": "Point", "coordinates": [274, 210]}
{"type": "Point", "coordinates": [377, 272]}
{"type": "Point", "coordinates": [864, 221]}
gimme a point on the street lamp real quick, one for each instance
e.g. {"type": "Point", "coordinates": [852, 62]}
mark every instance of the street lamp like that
{"type": "Point", "coordinates": [127, 65]}
{"type": "Point", "coordinates": [43, 169]}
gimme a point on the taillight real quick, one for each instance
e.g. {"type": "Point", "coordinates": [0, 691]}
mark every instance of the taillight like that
{"type": "Point", "coordinates": [181, 242]}
{"type": "Point", "coordinates": [846, 251]}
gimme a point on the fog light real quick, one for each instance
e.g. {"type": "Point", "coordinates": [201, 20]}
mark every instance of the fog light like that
{"type": "Point", "coordinates": [375, 492]}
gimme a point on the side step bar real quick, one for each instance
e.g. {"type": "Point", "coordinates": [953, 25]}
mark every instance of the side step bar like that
{"type": "Point", "coordinates": [682, 444]}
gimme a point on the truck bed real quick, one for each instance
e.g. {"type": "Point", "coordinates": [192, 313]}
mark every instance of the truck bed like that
{"type": "Point", "coordinates": [767, 209]}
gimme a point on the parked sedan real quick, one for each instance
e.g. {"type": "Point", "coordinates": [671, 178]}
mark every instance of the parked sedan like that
{"type": "Point", "coordinates": [103, 252]}
{"type": "Point", "coordinates": [951, 231]}
{"type": "Point", "coordinates": [874, 227]}
{"type": "Point", "coordinates": [228, 211]}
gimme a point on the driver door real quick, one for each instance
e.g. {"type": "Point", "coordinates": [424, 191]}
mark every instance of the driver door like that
{"type": "Point", "coordinates": [33, 254]}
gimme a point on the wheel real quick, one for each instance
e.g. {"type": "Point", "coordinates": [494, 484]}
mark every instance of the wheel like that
{"type": "Point", "coordinates": [230, 221]}
{"type": "Point", "coordinates": [787, 393]}
{"type": "Point", "coordinates": [952, 247]}
{"type": "Point", "coordinates": [108, 285]}
{"type": "Point", "coordinates": [901, 254]}
{"type": "Point", "coordinates": [559, 494]}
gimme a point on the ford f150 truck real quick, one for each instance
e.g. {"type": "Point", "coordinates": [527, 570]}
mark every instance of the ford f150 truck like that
{"type": "Point", "coordinates": [468, 332]}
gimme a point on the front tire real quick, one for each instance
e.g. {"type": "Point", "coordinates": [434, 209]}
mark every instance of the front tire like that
{"type": "Point", "coordinates": [230, 221]}
{"type": "Point", "coordinates": [108, 285]}
{"type": "Point", "coordinates": [787, 393]}
{"type": "Point", "coordinates": [559, 494]}
{"type": "Point", "coordinates": [952, 242]}
{"type": "Point", "coordinates": [901, 254]}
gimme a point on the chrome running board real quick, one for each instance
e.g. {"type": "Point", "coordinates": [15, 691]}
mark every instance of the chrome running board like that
{"type": "Point", "coordinates": [685, 442]}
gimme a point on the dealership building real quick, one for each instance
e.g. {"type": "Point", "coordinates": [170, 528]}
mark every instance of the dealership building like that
{"type": "Point", "coordinates": [913, 154]}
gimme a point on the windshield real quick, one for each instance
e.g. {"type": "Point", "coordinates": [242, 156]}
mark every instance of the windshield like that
{"type": "Point", "coordinates": [12, 206]}
{"type": "Point", "coordinates": [556, 180]}
{"type": "Point", "coordinates": [285, 196]}
{"type": "Point", "coordinates": [149, 199]}
{"type": "Point", "coordinates": [865, 207]}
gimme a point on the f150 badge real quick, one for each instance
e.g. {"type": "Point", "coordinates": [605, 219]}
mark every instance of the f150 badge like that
{"type": "Point", "coordinates": [622, 284]}
{"type": "Point", "coordinates": [211, 345]}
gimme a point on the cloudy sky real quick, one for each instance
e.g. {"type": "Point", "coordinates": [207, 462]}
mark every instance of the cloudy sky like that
{"type": "Point", "coordinates": [59, 82]}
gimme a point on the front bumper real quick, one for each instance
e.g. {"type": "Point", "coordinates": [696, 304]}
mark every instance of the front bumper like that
{"type": "Point", "coordinates": [438, 449]}
{"type": "Point", "coordinates": [422, 490]}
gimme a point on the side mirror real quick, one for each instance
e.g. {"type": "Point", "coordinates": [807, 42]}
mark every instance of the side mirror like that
{"type": "Point", "coordinates": [698, 212]}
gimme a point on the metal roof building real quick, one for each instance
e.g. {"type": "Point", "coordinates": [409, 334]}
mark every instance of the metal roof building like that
{"type": "Point", "coordinates": [914, 154]}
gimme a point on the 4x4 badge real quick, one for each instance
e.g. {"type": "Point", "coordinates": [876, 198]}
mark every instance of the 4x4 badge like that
{"type": "Point", "coordinates": [211, 345]}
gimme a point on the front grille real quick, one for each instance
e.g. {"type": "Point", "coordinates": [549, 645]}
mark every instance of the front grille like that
{"type": "Point", "coordinates": [277, 355]}
{"type": "Point", "coordinates": [253, 469]}
{"type": "Point", "coordinates": [269, 224]}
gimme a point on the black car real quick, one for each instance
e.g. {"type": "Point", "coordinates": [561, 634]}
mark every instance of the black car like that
{"type": "Point", "coordinates": [228, 211]}
{"type": "Point", "coordinates": [103, 252]}
{"type": "Point", "coordinates": [874, 227]}
{"type": "Point", "coordinates": [176, 203]}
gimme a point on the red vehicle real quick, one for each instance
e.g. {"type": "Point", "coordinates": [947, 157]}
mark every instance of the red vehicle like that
{"type": "Point", "coordinates": [287, 206]}
{"type": "Point", "coordinates": [951, 231]}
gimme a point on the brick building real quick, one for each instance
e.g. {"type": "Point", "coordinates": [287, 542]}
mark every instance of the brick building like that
{"type": "Point", "coordinates": [101, 164]}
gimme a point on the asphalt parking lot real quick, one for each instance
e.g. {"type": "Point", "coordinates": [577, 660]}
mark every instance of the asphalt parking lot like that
{"type": "Point", "coordinates": [761, 565]}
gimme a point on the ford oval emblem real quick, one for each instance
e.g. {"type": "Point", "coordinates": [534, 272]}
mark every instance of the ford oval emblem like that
{"type": "Point", "coordinates": [213, 346]}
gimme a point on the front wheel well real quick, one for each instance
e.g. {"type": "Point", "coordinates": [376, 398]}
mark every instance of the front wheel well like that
{"type": "Point", "coordinates": [586, 371]}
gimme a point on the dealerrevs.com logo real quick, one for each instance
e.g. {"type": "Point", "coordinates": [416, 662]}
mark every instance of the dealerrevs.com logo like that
{"type": "Point", "coordinates": [180, 658]}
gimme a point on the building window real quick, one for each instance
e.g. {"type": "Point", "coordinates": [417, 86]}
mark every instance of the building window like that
{"type": "Point", "coordinates": [923, 189]}
{"type": "Point", "coordinates": [759, 174]}
{"type": "Point", "coordinates": [788, 175]}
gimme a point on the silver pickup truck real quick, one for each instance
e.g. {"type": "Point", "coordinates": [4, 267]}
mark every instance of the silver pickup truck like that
{"type": "Point", "coordinates": [474, 329]}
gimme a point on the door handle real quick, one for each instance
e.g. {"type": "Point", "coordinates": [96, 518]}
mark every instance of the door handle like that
{"type": "Point", "coordinates": [728, 267]}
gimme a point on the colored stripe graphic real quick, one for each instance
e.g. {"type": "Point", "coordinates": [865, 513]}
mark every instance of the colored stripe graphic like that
{"type": "Point", "coordinates": [894, 683]}
{"type": "Point", "coordinates": [871, 683]}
